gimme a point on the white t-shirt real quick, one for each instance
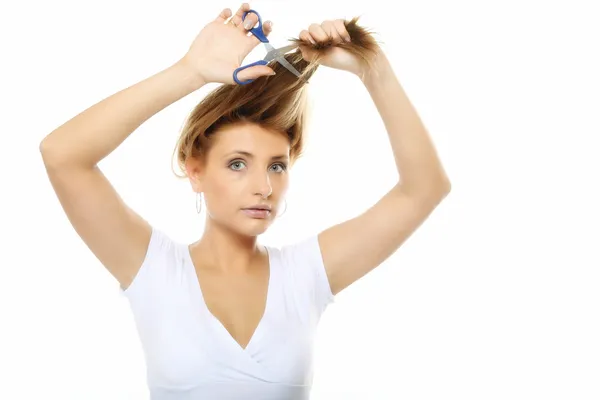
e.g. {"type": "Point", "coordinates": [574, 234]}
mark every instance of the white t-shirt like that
{"type": "Point", "coordinates": [188, 352]}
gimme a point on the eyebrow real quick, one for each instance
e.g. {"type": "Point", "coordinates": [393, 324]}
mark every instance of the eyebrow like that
{"type": "Point", "coordinates": [250, 155]}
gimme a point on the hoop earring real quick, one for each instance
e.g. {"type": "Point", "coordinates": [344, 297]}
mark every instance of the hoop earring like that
{"type": "Point", "coordinates": [198, 202]}
{"type": "Point", "coordinates": [284, 210]}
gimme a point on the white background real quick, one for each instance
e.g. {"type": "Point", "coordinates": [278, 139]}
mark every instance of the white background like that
{"type": "Point", "coordinates": [496, 296]}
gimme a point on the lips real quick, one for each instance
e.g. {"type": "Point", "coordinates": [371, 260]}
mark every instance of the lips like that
{"type": "Point", "coordinates": [259, 208]}
{"type": "Point", "coordinates": [257, 211]}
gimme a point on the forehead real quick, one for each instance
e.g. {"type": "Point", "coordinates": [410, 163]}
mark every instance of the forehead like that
{"type": "Point", "coordinates": [251, 138]}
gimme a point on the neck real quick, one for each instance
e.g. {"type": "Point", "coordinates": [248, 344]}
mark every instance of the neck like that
{"type": "Point", "coordinates": [225, 251]}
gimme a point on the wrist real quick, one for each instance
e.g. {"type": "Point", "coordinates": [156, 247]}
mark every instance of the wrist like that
{"type": "Point", "coordinates": [189, 74]}
{"type": "Point", "coordinates": [379, 68]}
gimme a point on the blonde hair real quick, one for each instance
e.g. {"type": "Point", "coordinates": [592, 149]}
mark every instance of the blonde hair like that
{"type": "Point", "coordinates": [276, 102]}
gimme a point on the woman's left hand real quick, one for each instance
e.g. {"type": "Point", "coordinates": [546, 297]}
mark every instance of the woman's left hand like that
{"type": "Point", "coordinates": [335, 57]}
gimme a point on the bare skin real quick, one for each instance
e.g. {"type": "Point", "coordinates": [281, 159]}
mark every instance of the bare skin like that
{"type": "Point", "coordinates": [237, 300]}
{"type": "Point", "coordinates": [232, 268]}
{"type": "Point", "coordinates": [231, 181]}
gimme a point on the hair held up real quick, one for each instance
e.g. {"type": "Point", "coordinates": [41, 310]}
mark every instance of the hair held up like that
{"type": "Point", "coordinates": [276, 102]}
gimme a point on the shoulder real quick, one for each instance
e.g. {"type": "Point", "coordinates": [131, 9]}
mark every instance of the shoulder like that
{"type": "Point", "coordinates": [163, 259]}
{"type": "Point", "coordinates": [302, 252]}
{"type": "Point", "coordinates": [302, 264]}
{"type": "Point", "coordinates": [293, 255]}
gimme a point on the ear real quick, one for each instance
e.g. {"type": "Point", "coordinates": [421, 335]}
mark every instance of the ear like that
{"type": "Point", "coordinates": [195, 172]}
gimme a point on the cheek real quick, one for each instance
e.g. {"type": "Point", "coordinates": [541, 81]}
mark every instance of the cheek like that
{"type": "Point", "coordinates": [224, 188]}
{"type": "Point", "coordinates": [281, 184]}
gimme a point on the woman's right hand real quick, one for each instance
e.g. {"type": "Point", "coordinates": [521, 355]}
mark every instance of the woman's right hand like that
{"type": "Point", "coordinates": [222, 45]}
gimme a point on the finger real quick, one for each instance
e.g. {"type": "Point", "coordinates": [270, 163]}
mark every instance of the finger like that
{"type": "Point", "coordinates": [317, 33]}
{"type": "Point", "coordinates": [307, 53]}
{"type": "Point", "coordinates": [254, 72]}
{"type": "Point", "coordinates": [331, 32]}
{"type": "Point", "coordinates": [248, 22]}
{"type": "Point", "coordinates": [267, 28]}
{"type": "Point", "coordinates": [224, 15]}
{"type": "Point", "coordinates": [305, 36]}
{"type": "Point", "coordinates": [237, 18]}
{"type": "Point", "coordinates": [340, 26]}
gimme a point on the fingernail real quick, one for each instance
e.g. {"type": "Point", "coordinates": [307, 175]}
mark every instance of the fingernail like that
{"type": "Point", "coordinates": [247, 24]}
{"type": "Point", "coordinates": [348, 39]}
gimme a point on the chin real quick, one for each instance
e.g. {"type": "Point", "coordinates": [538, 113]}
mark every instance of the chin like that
{"type": "Point", "coordinates": [253, 226]}
{"type": "Point", "coordinates": [253, 233]}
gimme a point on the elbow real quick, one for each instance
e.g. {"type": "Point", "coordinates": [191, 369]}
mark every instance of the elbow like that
{"type": "Point", "coordinates": [446, 186]}
{"type": "Point", "coordinates": [44, 149]}
{"type": "Point", "coordinates": [439, 186]}
{"type": "Point", "coordinates": [53, 156]}
{"type": "Point", "coordinates": [442, 188]}
{"type": "Point", "coordinates": [48, 154]}
{"type": "Point", "coordinates": [47, 145]}
{"type": "Point", "coordinates": [438, 191]}
{"type": "Point", "coordinates": [435, 190]}
{"type": "Point", "coordinates": [434, 194]}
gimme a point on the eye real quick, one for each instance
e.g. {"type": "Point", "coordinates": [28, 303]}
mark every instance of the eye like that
{"type": "Point", "coordinates": [282, 166]}
{"type": "Point", "coordinates": [235, 164]}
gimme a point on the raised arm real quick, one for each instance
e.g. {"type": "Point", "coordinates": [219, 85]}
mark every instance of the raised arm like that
{"type": "Point", "coordinates": [116, 234]}
{"type": "Point", "coordinates": [353, 248]}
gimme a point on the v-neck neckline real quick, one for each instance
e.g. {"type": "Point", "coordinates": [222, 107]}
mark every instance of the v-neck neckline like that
{"type": "Point", "coordinates": [216, 321]}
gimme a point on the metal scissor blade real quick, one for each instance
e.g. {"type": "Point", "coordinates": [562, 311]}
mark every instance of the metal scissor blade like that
{"type": "Point", "coordinates": [281, 60]}
{"type": "Point", "coordinates": [274, 53]}
{"type": "Point", "coordinates": [270, 50]}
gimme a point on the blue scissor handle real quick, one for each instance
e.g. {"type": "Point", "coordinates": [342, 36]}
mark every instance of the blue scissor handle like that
{"type": "Point", "coordinates": [235, 78]}
{"type": "Point", "coordinates": [257, 31]}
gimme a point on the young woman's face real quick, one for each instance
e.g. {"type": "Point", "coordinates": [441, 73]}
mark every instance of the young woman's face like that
{"type": "Point", "coordinates": [247, 167]}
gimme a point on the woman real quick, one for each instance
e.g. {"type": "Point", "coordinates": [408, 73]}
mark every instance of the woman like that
{"type": "Point", "coordinates": [225, 317]}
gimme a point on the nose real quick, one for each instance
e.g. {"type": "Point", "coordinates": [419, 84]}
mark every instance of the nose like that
{"type": "Point", "coordinates": [263, 185]}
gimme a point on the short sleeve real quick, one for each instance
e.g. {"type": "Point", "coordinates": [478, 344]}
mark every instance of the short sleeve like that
{"type": "Point", "coordinates": [153, 269]}
{"type": "Point", "coordinates": [306, 271]}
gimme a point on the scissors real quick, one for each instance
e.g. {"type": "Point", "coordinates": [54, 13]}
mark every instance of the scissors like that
{"type": "Point", "coordinates": [272, 53]}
